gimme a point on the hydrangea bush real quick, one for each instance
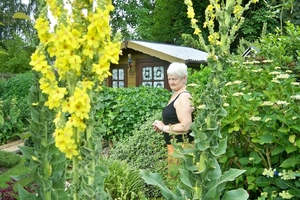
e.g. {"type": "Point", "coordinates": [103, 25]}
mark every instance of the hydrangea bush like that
{"type": "Point", "coordinates": [262, 100]}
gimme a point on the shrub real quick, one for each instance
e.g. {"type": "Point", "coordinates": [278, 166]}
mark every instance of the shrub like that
{"type": "Point", "coordinates": [123, 181]}
{"type": "Point", "coordinates": [262, 101]}
{"type": "Point", "coordinates": [9, 159]}
{"type": "Point", "coordinates": [18, 86]}
{"type": "Point", "coordinates": [145, 149]}
{"type": "Point", "coordinates": [121, 110]}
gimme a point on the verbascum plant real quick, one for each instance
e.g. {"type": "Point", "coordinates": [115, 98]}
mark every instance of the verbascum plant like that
{"type": "Point", "coordinates": [73, 59]}
{"type": "Point", "coordinates": [200, 175]}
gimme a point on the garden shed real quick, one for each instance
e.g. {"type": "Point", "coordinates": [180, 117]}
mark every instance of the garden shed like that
{"type": "Point", "coordinates": [146, 63]}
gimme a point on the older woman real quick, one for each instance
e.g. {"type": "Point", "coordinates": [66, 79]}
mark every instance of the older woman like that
{"type": "Point", "coordinates": [177, 115]}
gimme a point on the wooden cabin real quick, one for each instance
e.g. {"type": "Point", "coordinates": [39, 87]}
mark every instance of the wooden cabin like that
{"type": "Point", "coordinates": [146, 63]}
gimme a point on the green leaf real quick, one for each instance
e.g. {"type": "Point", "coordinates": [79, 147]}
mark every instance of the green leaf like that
{"type": "Point", "coordinates": [184, 177]}
{"type": "Point", "coordinates": [24, 195]}
{"type": "Point", "coordinates": [1, 120]}
{"type": "Point", "coordinates": [27, 151]}
{"type": "Point", "coordinates": [244, 160]}
{"type": "Point", "coordinates": [23, 182]}
{"type": "Point", "coordinates": [291, 162]}
{"type": "Point", "coordinates": [19, 15]}
{"type": "Point", "coordinates": [290, 148]}
{"type": "Point", "coordinates": [238, 194]}
{"type": "Point", "coordinates": [266, 139]}
{"type": "Point", "coordinates": [156, 180]}
{"type": "Point", "coordinates": [278, 149]}
{"type": "Point", "coordinates": [221, 149]}
{"type": "Point", "coordinates": [229, 175]}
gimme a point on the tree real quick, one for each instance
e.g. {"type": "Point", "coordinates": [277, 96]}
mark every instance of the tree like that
{"type": "Point", "coordinates": [132, 17]}
{"type": "Point", "coordinates": [10, 25]}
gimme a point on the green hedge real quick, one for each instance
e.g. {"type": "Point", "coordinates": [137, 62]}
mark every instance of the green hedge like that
{"type": "Point", "coordinates": [121, 110]}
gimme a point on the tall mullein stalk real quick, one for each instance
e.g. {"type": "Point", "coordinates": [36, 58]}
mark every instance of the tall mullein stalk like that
{"type": "Point", "coordinates": [200, 174]}
{"type": "Point", "coordinates": [73, 58]}
{"type": "Point", "coordinates": [46, 162]}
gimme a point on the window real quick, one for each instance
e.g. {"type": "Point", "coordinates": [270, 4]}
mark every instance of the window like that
{"type": "Point", "coordinates": [118, 78]}
{"type": "Point", "coordinates": [153, 76]}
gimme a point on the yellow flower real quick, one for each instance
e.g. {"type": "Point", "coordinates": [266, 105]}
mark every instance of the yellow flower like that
{"type": "Point", "coordinates": [210, 8]}
{"type": "Point", "coordinates": [190, 12]}
{"type": "Point", "coordinates": [75, 62]}
{"type": "Point", "coordinates": [92, 38]}
{"type": "Point", "coordinates": [255, 1]}
{"type": "Point", "coordinates": [112, 52]}
{"type": "Point", "coordinates": [71, 150]}
{"type": "Point", "coordinates": [34, 158]}
{"type": "Point", "coordinates": [88, 51]}
{"type": "Point", "coordinates": [197, 31]}
{"type": "Point", "coordinates": [76, 122]}
{"type": "Point", "coordinates": [237, 9]}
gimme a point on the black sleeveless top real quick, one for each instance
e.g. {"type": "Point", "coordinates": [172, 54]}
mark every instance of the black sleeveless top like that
{"type": "Point", "coordinates": [169, 118]}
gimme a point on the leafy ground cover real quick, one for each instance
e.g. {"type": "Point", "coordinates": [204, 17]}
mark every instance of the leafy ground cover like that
{"type": "Point", "coordinates": [11, 165]}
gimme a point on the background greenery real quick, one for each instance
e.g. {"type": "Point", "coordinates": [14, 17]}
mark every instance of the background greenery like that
{"type": "Point", "coordinates": [121, 110]}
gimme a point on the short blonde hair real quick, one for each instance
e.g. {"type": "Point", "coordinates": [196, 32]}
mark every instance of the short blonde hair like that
{"type": "Point", "coordinates": [177, 69]}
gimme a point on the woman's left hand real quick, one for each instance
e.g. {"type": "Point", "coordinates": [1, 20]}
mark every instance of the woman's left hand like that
{"type": "Point", "coordinates": [158, 125]}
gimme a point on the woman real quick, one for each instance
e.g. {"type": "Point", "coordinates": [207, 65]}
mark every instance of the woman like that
{"type": "Point", "coordinates": [177, 115]}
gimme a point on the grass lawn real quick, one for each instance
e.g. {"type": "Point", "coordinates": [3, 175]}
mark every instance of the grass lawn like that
{"type": "Point", "coordinates": [18, 169]}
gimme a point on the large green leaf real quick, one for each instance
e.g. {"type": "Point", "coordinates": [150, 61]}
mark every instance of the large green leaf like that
{"type": "Point", "coordinates": [239, 194]}
{"type": "Point", "coordinates": [156, 180]}
{"type": "Point", "coordinates": [24, 195]}
{"type": "Point", "coordinates": [229, 175]}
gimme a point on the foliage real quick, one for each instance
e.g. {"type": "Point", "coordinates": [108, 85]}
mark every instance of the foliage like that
{"type": "Point", "coordinates": [281, 48]}
{"type": "Point", "coordinates": [198, 76]}
{"type": "Point", "coordinates": [17, 55]}
{"type": "Point", "coordinates": [11, 122]}
{"type": "Point", "coordinates": [10, 25]}
{"type": "Point", "coordinates": [18, 86]}
{"type": "Point", "coordinates": [145, 149]}
{"type": "Point", "coordinates": [47, 163]}
{"type": "Point", "coordinates": [14, 109]}
{"type": "Point", "coordinates": [20, 168]}
{"type": "Point", "coordinates": [9, 193]}
{"type": "Point", "coordinates": [262, 98]}
{"type": "Point", "coordinates": [123, 181]}
{"type": "Point", "coordinates": [259, 15]}
{"type": "Point", "coordinates": [2, 86]}
{"type": "Point", "coordinates": [124, 109]}
{"type": "Point", "coordinates": [132, 18]}
{"type": "Point", "coordinates": [8, 159]}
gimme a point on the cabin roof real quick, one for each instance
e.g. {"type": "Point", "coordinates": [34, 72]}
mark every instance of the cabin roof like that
{"type": "Point", "coordinates": [168, 52]}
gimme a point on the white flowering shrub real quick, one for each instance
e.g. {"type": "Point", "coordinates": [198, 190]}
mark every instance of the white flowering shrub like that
{"type": "Point", "coordinates": [263, 123]}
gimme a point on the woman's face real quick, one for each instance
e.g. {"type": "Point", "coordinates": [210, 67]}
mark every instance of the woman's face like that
{"type": "Point", "coordinates": [175, 82]}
